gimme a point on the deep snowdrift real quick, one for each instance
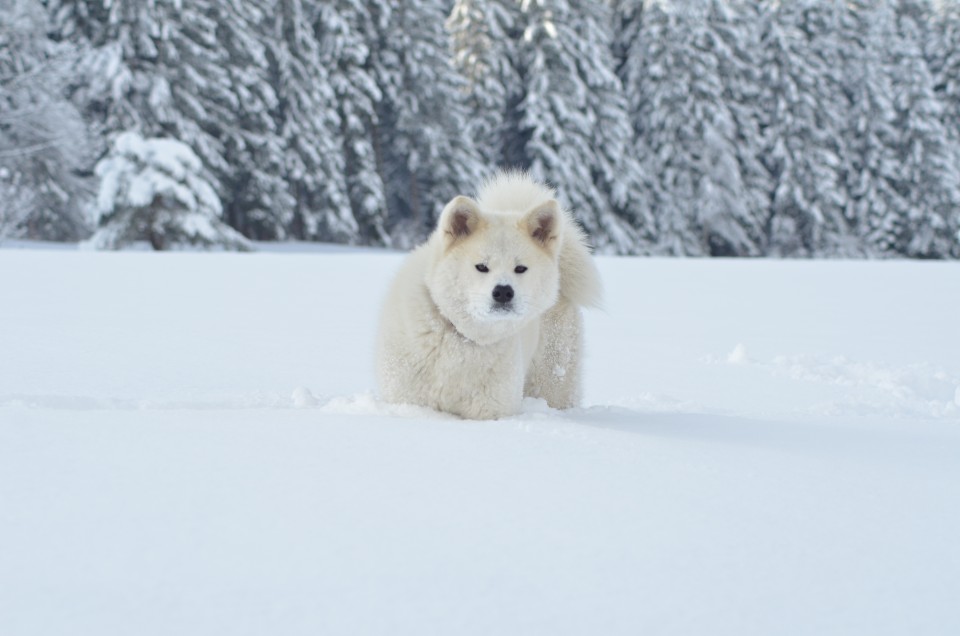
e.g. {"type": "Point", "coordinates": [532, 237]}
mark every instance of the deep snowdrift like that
{"type": "Point", "coordinates": [189, 444]}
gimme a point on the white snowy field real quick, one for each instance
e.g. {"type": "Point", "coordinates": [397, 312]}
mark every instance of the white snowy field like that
{"type": "Point", "coordinates": [766, 447]}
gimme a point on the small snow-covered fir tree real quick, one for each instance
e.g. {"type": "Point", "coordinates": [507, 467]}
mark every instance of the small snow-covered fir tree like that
{"type": "Point", "coordinates": [43, 139]}
{"type": "Point", "coordinates": [154, 189]}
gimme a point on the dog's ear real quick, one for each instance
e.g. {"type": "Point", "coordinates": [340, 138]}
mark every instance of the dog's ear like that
{"type": "Point", "coordinates": [459, 219]}
{"type": "Point", "coordinates": [544, 225]}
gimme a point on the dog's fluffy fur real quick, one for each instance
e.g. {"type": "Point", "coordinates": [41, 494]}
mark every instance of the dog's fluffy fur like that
{"type": "Point", "coordinates": [472, 342]}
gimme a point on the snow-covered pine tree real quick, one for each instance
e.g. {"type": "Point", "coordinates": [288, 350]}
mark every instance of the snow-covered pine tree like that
{"type": "Point", "coordinates": [123, 82]}
{"type": "Point", "coordinates": [485, 34]}
{"type": "Point", "coordinates": [310, 128]}
{"type": "Point", "coordinates": [636, 40]}
{"type": "Point", "coordinates": [570, 126]}
{"type": "Point", "coordinates": [16, 201]}
{"type": "Point", "coordinates": [99, 76]}
{"type": "Point", "coordinates": [805, 107]}
{"type": "Point", "coordinates": [425, 159]}
{"type": "Point", "coordinates": [946, 72]}
{"type": "Point", "coordinates": [944, 55]}
{"type": "Point", "coordinates": [929, 166]}
{"type": "Point", "coordinates": [642, 43]}
{"type": "Point", "coordinates": [876, 207]}
{"type": "Point", "coordinates": [256, 196]}
{"type": "Point", "coordinates": [687, 133]}
{"type": "Point", "coordinates": [43, 139]}
{"type": "Point", "coordinates": [737, 24]}
{"type": "Point", "coordinates": [155, 190]}
{"type": "Point", "coordinates": [79, 20]}
{"type": "Point", "coordinates": [343, 29]}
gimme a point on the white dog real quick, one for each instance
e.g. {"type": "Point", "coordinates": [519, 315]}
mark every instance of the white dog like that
{"type": "Point", "coordinates": [487, 311]}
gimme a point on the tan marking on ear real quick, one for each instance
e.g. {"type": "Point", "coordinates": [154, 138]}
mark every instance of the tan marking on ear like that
{"type": "Point", "coordinates": [543, 223]}
{"type": "Point", "coordinates": [459, 219]}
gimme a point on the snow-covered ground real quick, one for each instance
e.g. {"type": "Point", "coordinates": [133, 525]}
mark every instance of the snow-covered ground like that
{"type": "Point", "coordinates": [190, 444]}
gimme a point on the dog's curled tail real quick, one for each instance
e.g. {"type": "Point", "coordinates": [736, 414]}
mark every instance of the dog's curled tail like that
{"type": "Point", "coordinates": [579, 279]}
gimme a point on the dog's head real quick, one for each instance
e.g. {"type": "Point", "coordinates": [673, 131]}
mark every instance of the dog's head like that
{"type": "Point", "coordinates": [494, 272]}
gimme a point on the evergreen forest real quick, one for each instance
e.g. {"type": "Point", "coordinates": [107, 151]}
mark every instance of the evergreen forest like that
{"type": "Point", "coordinates": [808, 128]}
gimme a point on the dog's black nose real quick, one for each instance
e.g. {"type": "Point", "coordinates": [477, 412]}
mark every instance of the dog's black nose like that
{"type": "Point", "coordinates": [503, 293]}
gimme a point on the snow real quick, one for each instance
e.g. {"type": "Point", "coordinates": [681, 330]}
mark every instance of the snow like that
{"type": "Point", "coordinates": [190, 443]}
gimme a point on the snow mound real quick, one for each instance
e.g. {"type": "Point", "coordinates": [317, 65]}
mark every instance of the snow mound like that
{"type": "Point", "coordinates": [367, 404]}
{"type": "Point", "coordinates": [738, 355]}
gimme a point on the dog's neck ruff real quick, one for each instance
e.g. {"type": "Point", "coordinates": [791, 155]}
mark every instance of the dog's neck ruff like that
{"type": "Point", "coordinates": [453, 327]}
{"type": "Point", "coordinates": [481, 338]}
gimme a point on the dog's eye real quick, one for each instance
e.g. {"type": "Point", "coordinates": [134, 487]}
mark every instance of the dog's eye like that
{"type": "Point", "coordinates": [482, 268]}
{"type": "Point", "coordinates": [519, 269]}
